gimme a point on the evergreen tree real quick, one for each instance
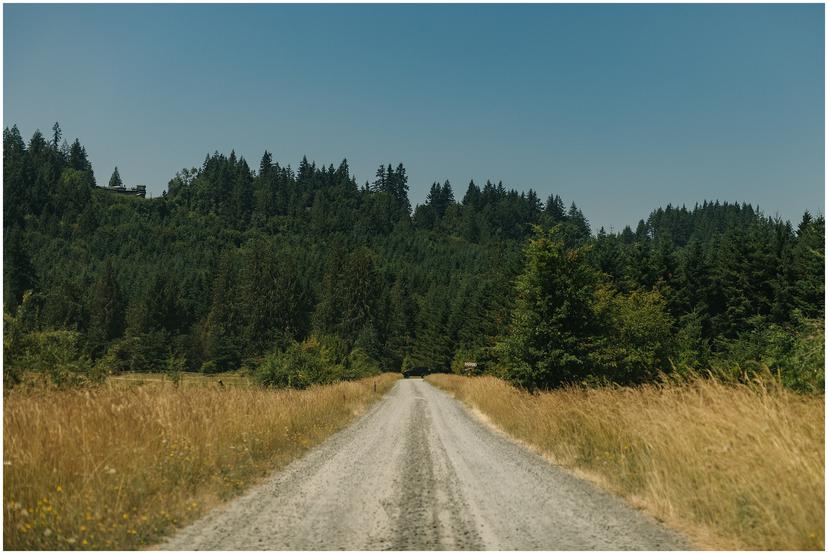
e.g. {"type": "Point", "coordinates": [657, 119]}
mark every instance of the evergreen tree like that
{"type": "Point", "coordinates": [18, 272]}
{"type": "Point", "coordinates": [220, 333]}
{"type": "Point", "coordinates": [808, 260]}
{"type": "Point", "coordinates": [380, 180]}
{"type": "Point", "coordinates": [552, 320]}
{"type": "Point", "coordinates": [106, 311]}
{"type": "Point", "coordinates": [77, 157]}
{"type": "Point", "coordinates": [554, 209]}
{"type": "Point", "coordinates": [56, 136]}
{"type": "Point", "coordinates": [402, 321]}
{"type": "Point", "coordinates": [266, 164]}
{"type": "Point", "coordinates": [17, 197]}
{"type": "Point", "coordinates": [115, 179]}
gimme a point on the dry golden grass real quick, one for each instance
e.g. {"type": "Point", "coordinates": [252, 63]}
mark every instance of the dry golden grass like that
{"type": "Point", "coordinates": [35, 380]}
{"type": "Point", "coordinates": [119, 467]}
{"type": "Point", "coordinates": [228, 379]}
{"type": "Point", "coordinates": [732, 466]}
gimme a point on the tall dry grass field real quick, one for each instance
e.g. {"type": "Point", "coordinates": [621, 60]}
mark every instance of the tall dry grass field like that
{"type": "Point", "coordinates": [117, 468]}
{"type": "Point", "coordinates": [731, 466]}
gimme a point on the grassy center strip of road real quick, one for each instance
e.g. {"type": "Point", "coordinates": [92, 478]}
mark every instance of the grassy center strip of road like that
{"type": "Point", "coordinates": [120, 467]}
{"type": "Point", "coordinates": [731, 466]}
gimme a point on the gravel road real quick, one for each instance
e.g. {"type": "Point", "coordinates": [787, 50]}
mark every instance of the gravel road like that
{"type": "Point", "coordinates": [419, 472]}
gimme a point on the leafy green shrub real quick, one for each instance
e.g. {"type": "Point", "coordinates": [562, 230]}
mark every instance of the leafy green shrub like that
{"type": "Point", "coordinates": [57, 354]}
{"type": "Point", "coordinates": [691, 350]}
{"type": "Point", "coordinates": [147, 352]}
{"type": "Point", "coordinates": [298, 366]}
{"type": "Point", "coordinates": [795, 355]}
{"type": "Point", "coordinates": [15, 334]}
{"type": "Point", "coordinates": [359, 364]}
{"type": "Point", "coordinates": [117, 358]}
{"type": "Point", "coordinates": [317, 360]}
{"type": "Point", "coordinates": [803, 368]}
{"type": "Point", "coordinates": [175, 368]}
{"type": "Point", "coordinates": [53, 352]}
{"type": "Point", "coordinates": [634, 343]}
{"type": "Point", "coordinates": [333, 349]}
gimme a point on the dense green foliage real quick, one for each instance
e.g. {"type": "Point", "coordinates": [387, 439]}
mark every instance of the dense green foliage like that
{"type": "Point", "coordinates": [308, 277]}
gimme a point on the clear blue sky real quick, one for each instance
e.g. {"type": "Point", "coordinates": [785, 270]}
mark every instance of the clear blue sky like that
{"type": "Point", "coordinates": [619, 108]}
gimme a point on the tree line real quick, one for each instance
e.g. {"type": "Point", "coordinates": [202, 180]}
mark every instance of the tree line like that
{"type": "Point", "coordinates": [303, 275]}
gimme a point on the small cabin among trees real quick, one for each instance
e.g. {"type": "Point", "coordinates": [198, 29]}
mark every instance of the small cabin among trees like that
{"type": "Point", "coordinates": [137, 190]}
{"type": "Point", "coordinates": [116, 185]}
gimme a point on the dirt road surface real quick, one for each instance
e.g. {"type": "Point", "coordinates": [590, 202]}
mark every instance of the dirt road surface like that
{"type": "Point", "coordinates": [419, 472]}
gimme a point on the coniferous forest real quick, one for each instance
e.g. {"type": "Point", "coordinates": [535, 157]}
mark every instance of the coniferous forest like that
{"type": "Point", "coordinates": [305, 275]}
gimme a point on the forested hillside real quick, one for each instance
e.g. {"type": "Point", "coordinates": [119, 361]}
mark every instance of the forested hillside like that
{"type": "Point", "coordinates": [306, 275]}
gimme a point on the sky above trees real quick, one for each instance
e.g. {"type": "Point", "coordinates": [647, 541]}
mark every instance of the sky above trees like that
{"type": "Point", "coordinates": [619, 108]}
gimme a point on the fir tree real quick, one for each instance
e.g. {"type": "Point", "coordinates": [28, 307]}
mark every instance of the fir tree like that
{"type": "Point", "coordinates": [115, 179]}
